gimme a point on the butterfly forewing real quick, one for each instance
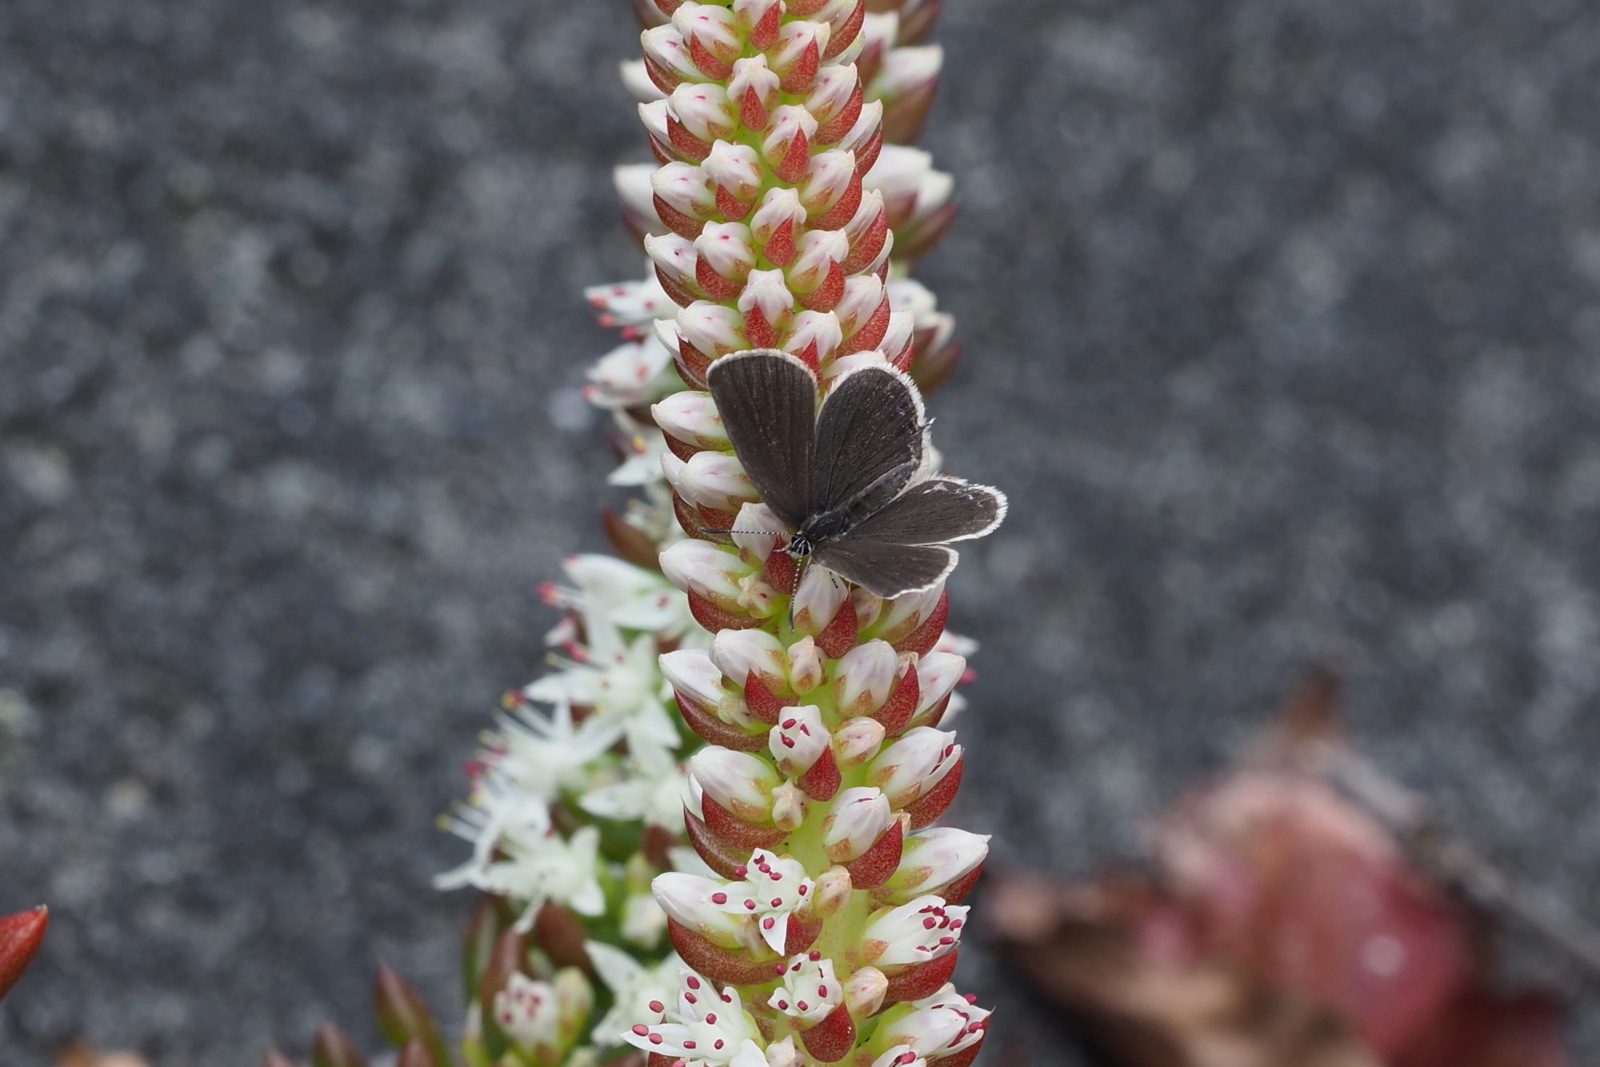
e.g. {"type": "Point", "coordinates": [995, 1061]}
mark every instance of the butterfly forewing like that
{"type": "Point", "coordinates": [767, 402]}
{"type": "Point", "coordinates": [868, 442]}
{"type": "Point", "coordinates": [933, 512]}
{"type": "Point", "coordinates": [884, 569]}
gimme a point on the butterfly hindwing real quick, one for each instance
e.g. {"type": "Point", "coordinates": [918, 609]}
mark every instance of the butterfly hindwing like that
{"type": "Point", "coordinates": [933, 512]}
{"type": "Point", "coordinates": [884, 569]}
{"type": "Point", "coordinates": [767, 401]}
{"type": "Point", "coordinates": [869, 442]}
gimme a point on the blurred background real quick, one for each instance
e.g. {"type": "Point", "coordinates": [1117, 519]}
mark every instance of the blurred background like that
{"type": "Point", "coordinates": [1282, 328]}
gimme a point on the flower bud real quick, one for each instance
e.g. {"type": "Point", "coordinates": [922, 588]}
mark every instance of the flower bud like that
{"type": "Point", "coordinates": [691, 417]}
{"type": "Point", "coordinates": [332, 1047]}
{"type": "Point", "coordinates": [666, 57]}
{"type": "Point", "coordinates": [754, 84]}
{"type": "Point", "coordinates": [683, 187]}
{"type": "Point", "coordinates": [863, 993]}
{"type": "Point", "coordinates": [674, 258]}
{"type": "Point", "coordinates": [709, 570]}
{"type": "Point", "coordinates": [402, 1014]}
{"type": "Point", "coordinates": [694, 677]}
{"type": "Point", "coordinates": [787, 144]}
{"type": "Point", "coordinates": [757, 531]}
{"type": "Point", "coordinates": [923, 930]}
{"type": "Point", "coordinates": [827, 179]}
{"type": "Point", "coordinates": [767, 292]}
{"type": "Point", "coordinates": [691, 901]}
{"type": "Point", "coordinates": [788, 807]}
{"type": "Point", "coordinates": [814, 337]}
{"type": "Point", "coordinates": [855, 821]}
{"type": "Point", "coordinates": [863, 678]}
{"type": "Point", "coordinates": [856, 741]}
{"type": "Point", "coordinates": [735, 168]}
{"type": "Point", "coordinates": [636, 79]}
{"type": "Point", "coordinates": [937, 675]}
{"type": "Point", "coordinates": [726, 248]}
{"type": "Point", "coordinates": [913, 765]}
{"type": "Point", "coordinates": [798, 54]}
{"type": "Point", "coordinates": [711, 31]}
{"type": "Point", "coordinates": [863, 298]}
{"type": "Point", "coordinates": [798, 740]}
{"type": "Point", "coordinates": [741, 653]}
{"type": "Point", "coordinates": [21, 934]}
{"type": "Point", "coordinates": [835, 85]}
{"type": "Point", "coordinates": [818, 600]}
{"type": "Point", "coordinates": [818, 252]}
{"type": "Point", "coordinates": [738, 781]}
{"type": "Point", "coordinates": [632, 183]}
{"type": "Point", "coordinates": [834, 887]}
{"type": "Point", "coordinates": [934, 859]}
{"type": "Point", "coordinates": [779, 208]}
{"type": "Point", "coordinates": [714, 329]}
{"type": "Point", "coordinates": [806, 669]}
{"type": "Point", "coordinates": [704, 109]}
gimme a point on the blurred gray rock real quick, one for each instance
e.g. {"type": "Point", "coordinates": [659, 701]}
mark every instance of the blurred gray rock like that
{"type": "Point", "coordinates": [1282, 331]}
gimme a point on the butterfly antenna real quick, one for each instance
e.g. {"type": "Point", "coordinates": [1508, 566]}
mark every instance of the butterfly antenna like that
{"type": "Point", "coordinates": [799, 573]}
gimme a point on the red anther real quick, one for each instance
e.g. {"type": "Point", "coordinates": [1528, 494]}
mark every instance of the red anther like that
{"type": "Point", "coordinates": [832, 1039]}
{"type": "Point", "coordinates": [686, 226]}
{"type": "Point", "coordinates": [731, 207]}
{"type": "Point", "coordinates": [844, 34]}
{"type": "Point", "coordinates": [764, 34]}
{"type": "Point", "coordinates": [920, 979]}
{"type": "Point", "coordinates": [753, 114]}
{"type": "Point", "coordinates": [874, 866]}
{"type": "Point", "coordinates": [734, 831]}
{"type": "Point", "coordinates": [822, 779]}
{"type": "Point", "coordinates": [902, 703]}
{"type": "Point", "coordinates": [843, 210]}
{"type": "Point", "coordinates": [763, 703]}
{"type": "Point", "coordinates": [868, 245]}
{"type": "Point", "coordinates": [708, 64]}
{"type": "Point", "coordinates": [716, 286]}
{"type": "Point", "coordinates": [826, 296]}
{"type": "Point", "coordinates": [717, 963]}
{"type": "Point", "coordinates": [924, 637]}
{"type": "Point", "coordinates": [839, 636]}
{"type": "Point", "coordinates": [681, 294]}
{"type": "Point", "coordinates": [716, 732]}
{"type": "Point", "coordinates": [843, 122]}
{"type": "Point", "coordinates": [688, 145]}
{"type": "Point", "coordinates": [758, 331]}
{"type": "Point", "coordinates": [721, 858]}
{"type": "Point", "coordinates": [803, 75]}
{"type": "Point", "coordinates": [664, 79]}
{"type": "Point", "coordinates": [780, 250]}
{"type": "Point", "coordinates": [871, 332]}
{"type": "Point", "coordinates": [780, 571]}
{"type": "Point", "coordinates": [796, 159]}
{"type": "Point", "coordinates": [930, 805]}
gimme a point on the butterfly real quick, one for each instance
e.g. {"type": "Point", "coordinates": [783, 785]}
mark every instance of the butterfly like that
{"type": "Point", "coordinates": [845, 479]}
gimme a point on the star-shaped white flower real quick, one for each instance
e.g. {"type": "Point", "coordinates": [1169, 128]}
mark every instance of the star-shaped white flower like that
{"type": "Point", "coordinates": [640, 992]}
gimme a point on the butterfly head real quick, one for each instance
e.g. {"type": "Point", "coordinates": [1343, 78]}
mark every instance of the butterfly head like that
{"type": "Point", "coordinates": [799, 546]}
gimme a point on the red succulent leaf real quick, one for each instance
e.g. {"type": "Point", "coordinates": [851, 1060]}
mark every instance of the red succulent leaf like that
{"type": "Point", "coordinates": [20, 937]}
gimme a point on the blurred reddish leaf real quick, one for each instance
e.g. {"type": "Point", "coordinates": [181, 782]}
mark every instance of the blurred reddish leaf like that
{"type": "Point", "coordinates": [1285, 927]}
{"type": "Point", "coordinates": [20, 937]}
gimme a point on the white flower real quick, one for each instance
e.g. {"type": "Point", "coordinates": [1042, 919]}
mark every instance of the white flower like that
{"type": "Point", "coordinates": [922, 930]}
{"type": "Point", "coordinates": [809, 991]}
{"type": "Point", "coordinates": [496, 808]}
{"type": "Point", "coordinates": [643, 921]}
{"type": "Point", "coordinates": [649, 792]}
{"type": "Point", "coordinates": [619, 680]}
{"type": "Point", "coordinates": [633, 373]}
{"type": "Point", "coordinates": [646, 445]}
{"type": "Point", "coordinates": [640, 992]}
{"type": "Point", "coordinates": [535, 869]}
{"type": "Point", "coordinates": [773, 887]}
{"type": "Point", "coordinates": [703, 1028]}
{"type": "Point", "coordinates": [629, 597]}
{"type": "Point", "coordinates": [545, 753]}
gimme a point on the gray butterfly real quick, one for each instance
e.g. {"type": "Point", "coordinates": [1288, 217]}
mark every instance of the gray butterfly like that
{"type": "Point", "coordinates": [842, 479]}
